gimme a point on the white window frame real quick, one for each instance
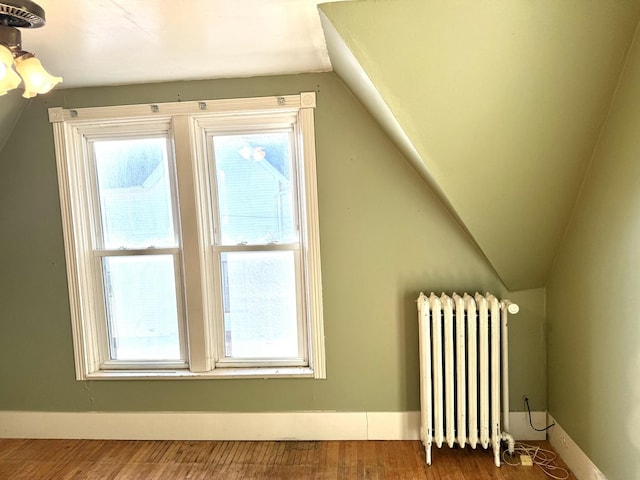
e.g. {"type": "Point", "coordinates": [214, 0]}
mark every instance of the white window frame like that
{"type": "Point", "coordinates": [189, 125]}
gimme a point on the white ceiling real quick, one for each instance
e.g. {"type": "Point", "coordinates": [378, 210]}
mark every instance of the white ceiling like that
{"type": "Point", "coordinates": [110, 42]}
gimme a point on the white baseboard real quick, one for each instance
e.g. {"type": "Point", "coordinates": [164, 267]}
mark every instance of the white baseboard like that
{"type": "Point", "coordinates": [577, 461]}
{"type": "Point", "coordinates": [185, 425]}
{"type": "Point", "coordinates": [393, 425]}
{"type": "Point", "coordinates": [230, 426]}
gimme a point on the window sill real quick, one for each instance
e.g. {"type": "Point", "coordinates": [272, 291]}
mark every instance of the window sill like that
{"type": "Point", "coordinates": [219, 373]}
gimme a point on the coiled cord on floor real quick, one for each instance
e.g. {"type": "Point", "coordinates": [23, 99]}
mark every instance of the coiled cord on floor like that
{"type": "Point", "coordinates": [545, 459]}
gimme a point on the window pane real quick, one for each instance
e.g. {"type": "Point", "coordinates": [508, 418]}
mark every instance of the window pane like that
{"type": "Point", "coordinates": [135, 193]}
{"type": "Point", "coordinates": [253, 175]}
{"type": "Point", "coordinates": [260, 304]}
{"type": "Point", "coordinates": [142, 312]}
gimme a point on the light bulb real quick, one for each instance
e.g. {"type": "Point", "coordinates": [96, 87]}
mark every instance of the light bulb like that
{"type": "Point", "coordinates": [6, 59]}
{"type": "Point", "coordinates": [36, 79]}
{"type": "Point", "coordinates": [8, 78]}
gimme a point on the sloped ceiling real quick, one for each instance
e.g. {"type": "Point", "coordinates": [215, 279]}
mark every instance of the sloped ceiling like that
{"type": "Point", "coordinates": [503, 101]}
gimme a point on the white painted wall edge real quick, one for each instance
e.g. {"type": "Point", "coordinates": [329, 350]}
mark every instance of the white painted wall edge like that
{"type": "Point", "coordinates": [577, 461]}
{"type": "Point", "coordinates": [232, 426]}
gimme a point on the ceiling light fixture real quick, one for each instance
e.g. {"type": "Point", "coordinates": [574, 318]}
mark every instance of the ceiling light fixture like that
{"type": "Point", "coordinates": [17, 65]}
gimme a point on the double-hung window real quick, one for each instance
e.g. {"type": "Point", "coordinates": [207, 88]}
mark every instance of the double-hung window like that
{"type": "Point", "coordinates": [191, 237]}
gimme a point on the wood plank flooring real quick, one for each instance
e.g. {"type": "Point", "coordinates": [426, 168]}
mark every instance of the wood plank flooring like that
{"type": "Point", "coordinates": [171, 460]}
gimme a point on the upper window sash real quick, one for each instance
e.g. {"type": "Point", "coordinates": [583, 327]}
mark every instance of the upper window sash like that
{"type": "Point", "coordinates": [210, 164]}
{"type": "Point", "coordinates": [105, 236]}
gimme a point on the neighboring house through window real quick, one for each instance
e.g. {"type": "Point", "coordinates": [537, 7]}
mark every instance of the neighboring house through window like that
{"type": "Point", "coordinates": [191, 234]}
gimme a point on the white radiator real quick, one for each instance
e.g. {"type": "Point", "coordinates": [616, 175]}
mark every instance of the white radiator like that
{"type": "Point", "coordinates": [464, 371]}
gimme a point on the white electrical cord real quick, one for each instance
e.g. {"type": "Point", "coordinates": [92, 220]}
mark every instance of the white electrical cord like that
{"type": "Point", "coordinates": [542, 458]}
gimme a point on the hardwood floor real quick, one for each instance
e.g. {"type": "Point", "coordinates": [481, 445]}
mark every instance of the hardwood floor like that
{"type": "Point", "coordinates": [349, 460]}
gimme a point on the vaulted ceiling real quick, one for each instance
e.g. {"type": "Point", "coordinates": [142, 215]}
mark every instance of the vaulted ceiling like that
{"type": "Point", "coordinates": [499, 104]}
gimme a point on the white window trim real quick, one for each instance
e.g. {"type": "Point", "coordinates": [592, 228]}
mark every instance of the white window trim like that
{"type": "Point", "coordinates": [182, 119]}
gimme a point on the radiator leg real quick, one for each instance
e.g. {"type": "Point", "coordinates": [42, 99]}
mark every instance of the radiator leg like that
{"type": "Point", "coordinates": [496, 454]}
{"type": "Point", "coordinates": [428, 452]}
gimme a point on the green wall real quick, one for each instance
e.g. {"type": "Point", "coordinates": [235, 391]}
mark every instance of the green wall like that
{"type": "Point", "coordinates": [528, 351]}
{"type": "Point", "coordinates": [384, 237]}
{"type": "Point", "coordinates": [11, 106]}
{"type": "Point", "coordinates": [500, 98]}
{"type": "Point", "coordinates": [594, 298]}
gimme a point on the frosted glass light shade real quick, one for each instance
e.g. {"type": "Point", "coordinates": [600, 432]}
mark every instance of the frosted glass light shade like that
{"type": "Point", "coordinates": [36, 79]}
{"type": "Point", "coordinates": [6, 57]}
{"type": "Point", "coordinates": [8, 78]}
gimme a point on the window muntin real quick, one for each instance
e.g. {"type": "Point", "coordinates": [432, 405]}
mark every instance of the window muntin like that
{"type": "Point", "coordinates": [202, 296]}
